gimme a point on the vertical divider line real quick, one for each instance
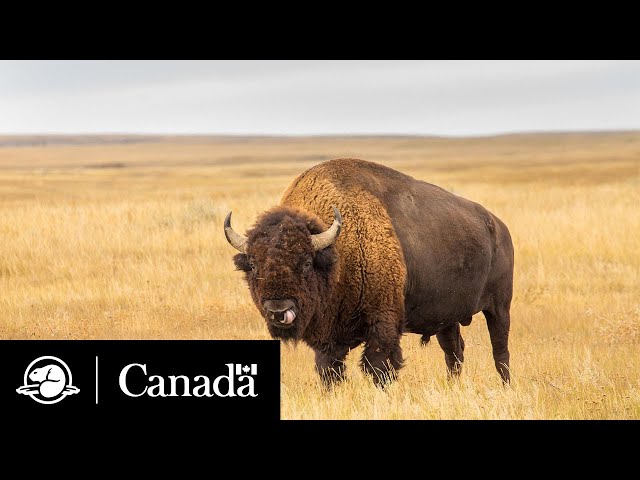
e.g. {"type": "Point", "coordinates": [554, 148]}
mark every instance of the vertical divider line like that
{"type": "Point", "coordinates": [96, 379]}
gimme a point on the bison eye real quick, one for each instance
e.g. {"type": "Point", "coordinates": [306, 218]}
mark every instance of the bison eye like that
{"type": "Point", "coordinates": [252, 266]}
{"type": "Point", "coordinates": [307, 265]}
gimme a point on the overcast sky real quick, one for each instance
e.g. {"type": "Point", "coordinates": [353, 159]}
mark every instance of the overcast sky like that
{"type": "Point", "coordinates": [318, 97]}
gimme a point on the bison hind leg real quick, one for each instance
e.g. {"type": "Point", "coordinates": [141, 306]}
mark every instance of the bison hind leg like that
{"type": "Point", "coordinates": [452, 344]}
{"type": "Point", "coordinates": [498, 322]}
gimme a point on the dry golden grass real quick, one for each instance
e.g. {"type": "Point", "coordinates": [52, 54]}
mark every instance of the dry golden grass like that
{"type": "Point", "coordinates": [137, 251]}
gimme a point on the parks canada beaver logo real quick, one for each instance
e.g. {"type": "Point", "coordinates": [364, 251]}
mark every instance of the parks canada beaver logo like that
{"type": "Point", "coordinates": [47, 380]}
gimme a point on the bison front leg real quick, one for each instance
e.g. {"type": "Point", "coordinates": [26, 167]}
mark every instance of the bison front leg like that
{"type": "Point", "coordinates": [382, 357]}
{"type": "Point", "coordinates": [330, 365]}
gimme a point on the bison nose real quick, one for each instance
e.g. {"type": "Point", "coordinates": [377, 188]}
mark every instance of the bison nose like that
{"type": "Point", "coordinates": [281, 311]}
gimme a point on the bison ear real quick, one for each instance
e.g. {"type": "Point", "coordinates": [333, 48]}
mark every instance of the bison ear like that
{"type": "Point", "coordinates": [326, 258]}
{"type": "Point", "coordinates": [241, 262]}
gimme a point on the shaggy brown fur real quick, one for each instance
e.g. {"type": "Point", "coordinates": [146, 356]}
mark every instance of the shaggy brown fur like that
{"type": "Point", "coordinates": [411, 257]}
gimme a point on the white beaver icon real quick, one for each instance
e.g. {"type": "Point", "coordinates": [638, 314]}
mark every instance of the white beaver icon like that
{"type": "Point", "coordinates": [51, 380]}
{"type": "Point", "coordinates": [49, 383]}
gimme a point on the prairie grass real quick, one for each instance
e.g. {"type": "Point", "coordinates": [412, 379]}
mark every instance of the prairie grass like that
{"type": "Point", "coordinates": [124, 240]}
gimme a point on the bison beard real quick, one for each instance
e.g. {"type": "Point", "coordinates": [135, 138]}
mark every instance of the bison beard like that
{"type": "Point", "coordinates": [412, 258]}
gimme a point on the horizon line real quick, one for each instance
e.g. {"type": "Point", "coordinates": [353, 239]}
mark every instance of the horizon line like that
{"type": "Point", "coordinates": [342, 134]}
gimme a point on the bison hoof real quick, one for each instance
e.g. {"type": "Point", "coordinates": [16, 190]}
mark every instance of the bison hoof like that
{"type": "Point", "coordinates": [382, 381]}
{"type": "Point", "coordinates": [330, 378]}
{"type": "Point", "coordinates": [424, 341]}
{"type": "Point", "coordinates": [382, 378]}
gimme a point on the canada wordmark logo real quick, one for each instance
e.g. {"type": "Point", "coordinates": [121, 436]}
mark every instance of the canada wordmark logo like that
{"type": "Point", "coordinates": [239, 381]}
{"type": "Point", "coordinates": [47, 380]}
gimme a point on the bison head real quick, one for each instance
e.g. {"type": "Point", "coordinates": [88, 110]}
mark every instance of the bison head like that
{"type": "Point", "coordinates": [290, 264]}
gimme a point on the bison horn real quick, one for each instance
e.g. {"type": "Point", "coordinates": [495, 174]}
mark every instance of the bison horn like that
{"type": "Point", "coordinates": [237, 241]}
{"type": "Point", "coordinates": [326, 238]}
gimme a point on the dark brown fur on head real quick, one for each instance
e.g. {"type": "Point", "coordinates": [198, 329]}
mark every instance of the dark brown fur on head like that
{"type": "Point", "coordinates": [281, 264]}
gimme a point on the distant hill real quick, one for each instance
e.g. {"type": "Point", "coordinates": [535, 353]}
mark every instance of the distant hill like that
{"type": "Point", "coordinates": [121, 151]}
{"type": "Point", "coordinates": [43, 140]}
{"type": "Point", "coordinates": [46, 140]}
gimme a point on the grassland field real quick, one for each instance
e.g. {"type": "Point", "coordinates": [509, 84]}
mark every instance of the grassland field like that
{"type": "Point", "coordinates": [120, 237]}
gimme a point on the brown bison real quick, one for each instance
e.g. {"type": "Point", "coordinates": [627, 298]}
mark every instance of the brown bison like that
{"type": "Point", "coordinates": [400, 255]}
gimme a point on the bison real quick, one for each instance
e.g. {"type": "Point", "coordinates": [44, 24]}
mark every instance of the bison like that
{"type": "Point", "coordinates": [400, 255]}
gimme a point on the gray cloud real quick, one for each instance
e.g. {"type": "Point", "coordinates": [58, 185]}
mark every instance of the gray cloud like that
{"type": "Point", "coordinates": [318, 97]}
